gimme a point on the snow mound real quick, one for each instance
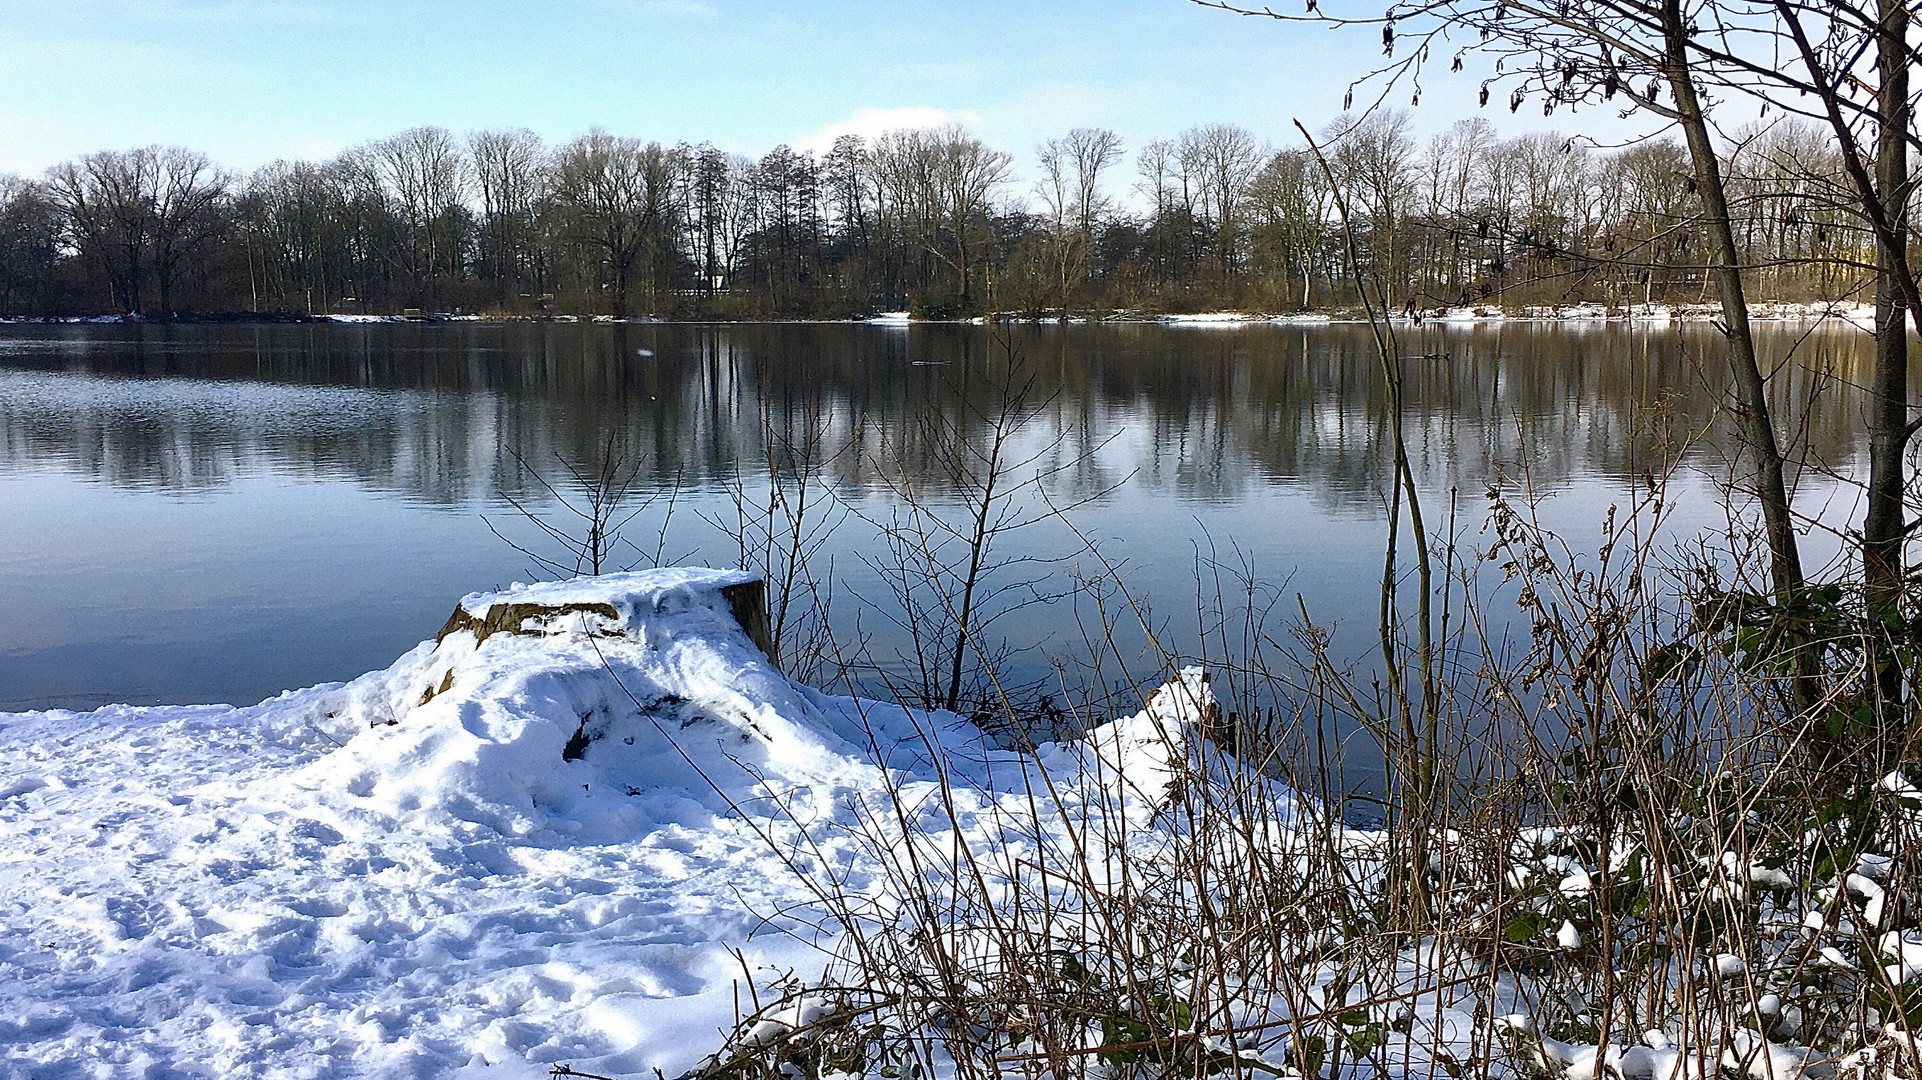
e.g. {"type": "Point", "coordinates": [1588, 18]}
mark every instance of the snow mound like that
{"type": "Point", "coordinates": [600, 704]}
{"type": "Point", "coordinates": [1144, 763]}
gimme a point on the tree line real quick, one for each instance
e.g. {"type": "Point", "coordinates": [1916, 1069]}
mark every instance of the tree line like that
{"type": "Point", "coordinates": [929, 220]}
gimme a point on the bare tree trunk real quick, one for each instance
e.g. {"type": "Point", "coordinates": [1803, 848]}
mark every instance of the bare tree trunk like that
{"type": "Point", "coordinates": [1751, 392]}
{"type": "Point", "coordinates": [1882, 526]}
{"type": "Point", "coordinates": [961, 250]}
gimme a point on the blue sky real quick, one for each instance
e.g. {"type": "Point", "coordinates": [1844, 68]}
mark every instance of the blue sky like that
{"type": "Point", "coordinates": [252, 80]}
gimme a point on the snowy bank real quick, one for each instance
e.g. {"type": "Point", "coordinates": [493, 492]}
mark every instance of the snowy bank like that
{"type": "Point", "coordinates": [592, 823]}
{"type": "Point", "coordinates": [585, 824]}
{"type": "Point", "coordinates": [1854, 314]}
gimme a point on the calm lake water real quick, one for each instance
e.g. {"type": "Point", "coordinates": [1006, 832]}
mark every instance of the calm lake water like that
{"type": "Point", "coordinates": [201, 513]}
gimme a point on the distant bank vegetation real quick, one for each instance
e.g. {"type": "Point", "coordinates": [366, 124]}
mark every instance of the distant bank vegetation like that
{"type": "Point", "coordinates": [933, 221]}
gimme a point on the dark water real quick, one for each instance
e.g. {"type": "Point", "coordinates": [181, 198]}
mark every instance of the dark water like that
{"type": "Point", "coordinates": [193, 514]}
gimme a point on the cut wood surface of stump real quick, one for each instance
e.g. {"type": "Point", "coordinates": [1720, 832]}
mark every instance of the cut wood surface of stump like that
{"type": "Point", "coordinates": [746, 602]}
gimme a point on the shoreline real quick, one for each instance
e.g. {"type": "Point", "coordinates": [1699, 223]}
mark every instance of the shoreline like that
{"type": "Point", "coordinates": [1855, 314]}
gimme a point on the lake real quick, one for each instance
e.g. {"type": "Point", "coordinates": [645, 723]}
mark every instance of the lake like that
{"type": "Point", "coordinates": [217, 513]}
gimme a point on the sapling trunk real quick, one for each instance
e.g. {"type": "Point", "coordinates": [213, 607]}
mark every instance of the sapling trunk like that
{"type": "Point", "coordinates": [1416, 794]}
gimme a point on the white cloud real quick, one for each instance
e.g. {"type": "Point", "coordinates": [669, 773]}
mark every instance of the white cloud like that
{"type": "Point", "coordinates": [869, 122]}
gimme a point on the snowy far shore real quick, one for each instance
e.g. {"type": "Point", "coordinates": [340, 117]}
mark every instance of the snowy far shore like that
{"type": "Point", "coordinates": [1856, 314]}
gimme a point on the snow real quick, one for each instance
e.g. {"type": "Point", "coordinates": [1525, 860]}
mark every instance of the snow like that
{"type": "Point", "coordinates": [1832, 957]}
{"type": "Point", "coordinates": [1209, 318]}
{"type": "Point", "coordinates": [1870, 891]}
{"type": "Point", "coordinates": [1907, 956]}
{"type": "Point", "coordinates": [1862, 315]}
{"type": "Point", "coordinates": [592, 824]}
{"type": "Point", "coordinates": [1568, 937]}
{"type": "Point", "coordinates": [1856, 314]}
{"type": "Point", "coordinates": [588, 840]}
{"type": "Point", "coordinates": [1577, 882]}
{"type": "Point", "coordinates": [1764, 1060]}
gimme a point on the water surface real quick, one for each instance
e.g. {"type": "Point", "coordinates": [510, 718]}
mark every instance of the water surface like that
{"type": "Point", "coordinates": [218, 513]}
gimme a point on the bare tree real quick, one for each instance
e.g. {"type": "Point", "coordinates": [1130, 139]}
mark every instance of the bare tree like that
{"type": "Point", "coordinates": [1842, 47]}
{"type": "Point", "coordinates": [1287, 210]}
{"type": "Point", "coordinates": [1158, 172]}
{"type": "Point", "coordinates": [861, 263]}
{"type": "Point", "coordinates": [786, 189]}
{"type": "Point", "coordinates": [29, 242]}
{"type": "Point", "coordinates": [1373, 163]}
{"type": "Point", "coordinates": [1788, 184]}
{"type": "Point", "coordinates": [423, 176]}
{"type": "Point", "coordinates": [846, 181]}
{"type": "Point", "coordinates": [1587, 51]}
{"type": "Point", "coordinates": [1651, 215]}
{"type": "Point", "coordinates": [188, 191]}
{"type": "Point", "coordinates": [1070, 191]}
{"type": "Point", "coordinates": [510, 176]}
{"type": "Point", "coordinates": [614, 194]}
{"type": "Point", "coordinates": [1217, 161]}
{"type": "Point", "coordinates": [719, 197]}
{"type": "Point", "coordinates": [1455, 168]}
{"type": "Point", "coordinates": [938, 183]}
{"type": "Point", "coordinates": [106, 202]}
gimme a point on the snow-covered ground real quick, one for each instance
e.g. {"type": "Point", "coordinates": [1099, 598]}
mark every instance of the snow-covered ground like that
{"type": "Point", "coordinates": [592, 824]}
{"type": "Point", "coordinates": [1862, 315]}
{"type": "Point", "coordinates": [587, 841]}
